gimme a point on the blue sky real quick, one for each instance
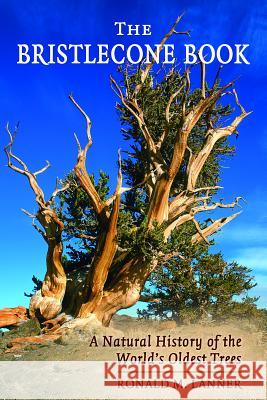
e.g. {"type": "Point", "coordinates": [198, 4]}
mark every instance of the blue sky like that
{"type": "Point", "coordinates": [36, 96]}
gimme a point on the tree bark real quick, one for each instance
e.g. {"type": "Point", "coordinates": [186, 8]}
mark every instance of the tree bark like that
{"type": "Point", "coordinates": [47, 302]}
{"type": "Point", "coordinates": [159, 204]}
{"type": "Point", "coordinates": [121, 291]}
{"type": "Point", "coordinates": [125, 291]}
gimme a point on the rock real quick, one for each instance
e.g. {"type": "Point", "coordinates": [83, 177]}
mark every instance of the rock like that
{"type": "Point", "coordinates": [20, 342]}
{"type": "Point", "coordinates": [30, 327]}
{"type": "Point", "coordinates": [83, 329]}
{"type": "Point", "coordinates": [10, 317]}
{"type": "Point", "coordinates": [26, 329]}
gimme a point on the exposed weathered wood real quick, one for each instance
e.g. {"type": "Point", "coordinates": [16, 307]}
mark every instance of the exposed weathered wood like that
{"type": "Point", "coordinates": [11, 317]}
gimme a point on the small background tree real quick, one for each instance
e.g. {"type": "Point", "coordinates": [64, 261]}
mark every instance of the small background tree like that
{"type": "Point", "coordinates": [200, 288]}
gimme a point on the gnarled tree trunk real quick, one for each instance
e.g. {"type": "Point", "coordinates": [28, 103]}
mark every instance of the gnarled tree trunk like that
{"type": "Point", "coordinates": [47, 302]}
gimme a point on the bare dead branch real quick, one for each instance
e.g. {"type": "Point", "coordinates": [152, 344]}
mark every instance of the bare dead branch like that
{"type": "Point", "coordinates": [45, 215]}
{"type": "Point", "coordinates": [88, 123]}
{"type": "Point", "coordinates": [78, 143]}
{"type": "Point", "coordinates": [213, 136]}
{"type": "Point", "coordinates": [167, 116]}
{"type": "Point", "coordinates": [127, 189]}
{"type": "Point", "coordinates": [177, 222]}
{"type": "Point", "coordinates": [40, 171]}
{"type": "Point", "coordinates": [238, 103]}
{"type": "Point", "coordinates": [203, 79]}
{"type": "Point", "coordinates": [23, 169]}
{"type": "Point", "coordinates": [28, 213]}
{"type": "Point", "coordinates": [189, 122]}
{"type": "Point", "coordinates": [34, 217]}
{"type": "Point", "coordinates": [148, 299]}
{"type": "Point", "coordinates": [182, 32]}
{"type": "Point", "coordinates": [10, 155]}
{"type": "Point", "coordinates": [188, 81]}
{"type": "Point", "coordinates": [80, 167]}
{"type": "Point", "coordinates": [119, 179]}
{"type": "Point", "coordinates": [216, 205]}
{"type": "Point", "coordinates": [187, 202]}
{"type": "Point", "coordinates": [158, 50]}
{"type": "Point", "coordinates": [84, 236]}
{"type": "Point", "coordinates": [200, 231]}
{"type": "Point", "coordinates": [39, 230]}
{"type": "Point", "coordinates": [119, 190]}
{"type": "Point", "coordinates": [57, 191]}
{"type": "Point", "coordinates": [202, 189]}
{"type": "Point", "coordinates": [216, 79]}
{"type": "Point", "coordinates": [214, 227]}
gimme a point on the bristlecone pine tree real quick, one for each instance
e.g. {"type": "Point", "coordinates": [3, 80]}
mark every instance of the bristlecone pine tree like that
{"type": "Point", "coordinates": [178, 136]}
{"type": "Point", "coordinates": [201, 287]}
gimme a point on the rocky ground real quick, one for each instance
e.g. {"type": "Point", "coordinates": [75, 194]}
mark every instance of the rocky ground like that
{"type": "Point", "coordinates": [74, 344]}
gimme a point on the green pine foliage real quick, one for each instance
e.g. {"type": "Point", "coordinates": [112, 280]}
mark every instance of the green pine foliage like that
{"type": "Point", "coordinates": [198, 289]}
{"type": "Point", "coordinates": [153, 101]}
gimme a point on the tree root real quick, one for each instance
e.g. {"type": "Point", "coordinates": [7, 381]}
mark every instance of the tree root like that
{"type": "Point", "coordinates": [52, 325]}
